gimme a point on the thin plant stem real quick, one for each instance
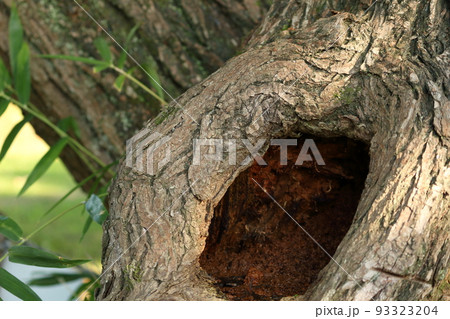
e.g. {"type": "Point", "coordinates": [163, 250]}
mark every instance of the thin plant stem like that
{"type": "Point", "coordinates": [50, 221]}
{"type": "Point", "coordinates": [139, 83]}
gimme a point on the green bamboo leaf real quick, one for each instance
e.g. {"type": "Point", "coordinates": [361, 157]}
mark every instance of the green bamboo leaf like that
{"type": "Point", "coordinates": [58, 278]}
{"type": "Point", "coordinates": [36, 257]}
{"type": "Point", "coordinates": [22, 77]}
{"type": "Point", "coordinates": [3, 105]}
{"type": "Point", "coordinates": [119, 82]}
{"type": "Point", "coordinates": [12, 135]}
{"type": "Point", "coordinates": [15, 35]}
{"type": "Point", "coordinates": [10, 228]}
{"type": "Point", "coordinates": [86, 227]}
{"type": "Point", "coordinates": [17, 287]}
{"type": "Point", "coordinates": [75, 59]}
{"type": "Point", "coordinates": [131, 33]}
{"type": "Point", "coordinates": [104, 188]}
{"type": "Point", "coordinates": [5, 78]}
{"type": "Point", "coordinates": [44, 163]}
{"type": "Point", "coordinates": [122, 59]}
{"type": "Point", "coordinates": [104, 50]}
{"type": "Point", "coordinates": [100, 68]}
{"type": "Point", "coordinates": [93, 189]}
{"type": "Point", "coordinates": [123, 54]}
{"type": "Point", "coordinates": [94, 206]}
{"type": "Point", "coordinates": [69, 123]}
{"type": "Point", "coordinates": [155, 82]}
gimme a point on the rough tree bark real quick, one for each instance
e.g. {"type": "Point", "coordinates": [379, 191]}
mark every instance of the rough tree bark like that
{"type": "Point", "coordinates": [396, 57]}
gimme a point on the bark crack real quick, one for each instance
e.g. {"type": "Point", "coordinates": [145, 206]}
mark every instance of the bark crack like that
{"type": "Point", "coordinates": [402, 277]}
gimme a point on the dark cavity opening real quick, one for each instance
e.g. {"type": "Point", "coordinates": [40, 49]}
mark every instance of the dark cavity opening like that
{"type": "Point", "coordinates": [254, 250]}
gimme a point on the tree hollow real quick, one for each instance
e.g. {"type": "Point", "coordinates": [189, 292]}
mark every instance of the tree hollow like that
{"type": "Point", "coordinates": [255, 250]}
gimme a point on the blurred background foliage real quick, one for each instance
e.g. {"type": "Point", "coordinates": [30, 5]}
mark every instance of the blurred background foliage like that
{"type": "Point", "coordinates": [63, 235]}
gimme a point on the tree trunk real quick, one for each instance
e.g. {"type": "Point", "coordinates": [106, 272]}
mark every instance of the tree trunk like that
{"type": "Point", "coordinates": [379, 77]}
{"type": "Point", "coordinates": [316, 68]}
{"type": "Point", "coordinates": [186, 40]}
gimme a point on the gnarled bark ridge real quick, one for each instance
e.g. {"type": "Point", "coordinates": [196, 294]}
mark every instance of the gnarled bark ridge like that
{"type": "Point", "coordinates": [380, 77]}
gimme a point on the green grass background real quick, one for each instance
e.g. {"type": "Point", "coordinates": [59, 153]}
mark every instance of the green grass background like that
{"type": "Point", "coordinates": [63, 236]}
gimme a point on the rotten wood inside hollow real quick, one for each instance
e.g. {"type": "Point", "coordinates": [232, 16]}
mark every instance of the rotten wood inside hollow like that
{"type": "Point", "coordinates": [255, 250]}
